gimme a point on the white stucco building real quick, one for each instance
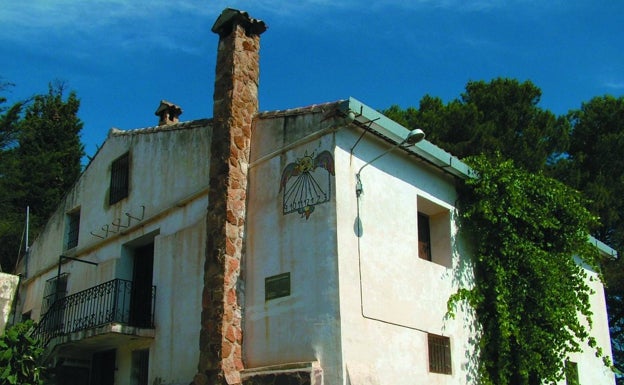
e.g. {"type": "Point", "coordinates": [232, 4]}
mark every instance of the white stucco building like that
{"type": "Point", "coordinates": [260, 248]}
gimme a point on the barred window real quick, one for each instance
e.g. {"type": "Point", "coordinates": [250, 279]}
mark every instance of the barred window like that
{"type": "Point", "coordinates": [140, 367]}
{"type": "Point", "coordinates": [55, 289]}
{"type": "Point", "coordinates": [120, 178]}
{"type": "Point", "coordinates": [439, 354]}
{"type": "Point", "coordinates": [571, 373]}
{"type": "Point", "coordinates": [73, 228]}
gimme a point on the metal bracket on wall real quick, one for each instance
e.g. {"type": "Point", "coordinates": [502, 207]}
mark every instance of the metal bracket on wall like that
{"type": "Point", "coordinates": [367, 124]}
{"type": "Point", "coordinates": [116, 225]}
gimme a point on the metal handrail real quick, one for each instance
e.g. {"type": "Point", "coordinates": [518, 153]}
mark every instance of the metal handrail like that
{"type": "Point", "coordinates": [109, 302]}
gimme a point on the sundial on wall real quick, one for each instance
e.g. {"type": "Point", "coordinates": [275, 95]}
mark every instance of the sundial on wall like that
{"type": "Point", "coordinates": [306, 183]}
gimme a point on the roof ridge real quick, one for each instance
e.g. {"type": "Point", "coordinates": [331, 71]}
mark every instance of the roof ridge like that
{"type": "Point", "coordinates": [114, 131]}
{"type": "Point", "coordinates": [299, 110]}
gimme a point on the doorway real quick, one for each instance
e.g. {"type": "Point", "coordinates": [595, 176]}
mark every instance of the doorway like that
{"type": "Point", "coordinates": [103, 368]}
{"type": "Point", "coordinates": [141, 297]}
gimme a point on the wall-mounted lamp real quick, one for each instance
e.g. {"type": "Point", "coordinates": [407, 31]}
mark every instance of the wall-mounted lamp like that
{"type": "Point", "coordinates": [350, 117]}
{"type": "Point", "coordinates": [411, 139]}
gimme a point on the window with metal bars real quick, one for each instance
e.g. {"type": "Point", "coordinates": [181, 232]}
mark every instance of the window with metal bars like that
{"type": "Point", "coordinates": [73, 228]}
{"type": "Point", "coordinates": [140, 367]}
{"type": "Point", "coordinates": [55, 289]}
{"type": "Point", "coordinates": [120, 178]}
{"type": "Point", "coordinates": [439, 354]}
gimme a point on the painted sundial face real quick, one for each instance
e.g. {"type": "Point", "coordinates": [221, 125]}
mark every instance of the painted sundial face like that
{"type": "Point", "coordinates": [305, 164]}
{"type": "Point", "coordinates": [303, 183]}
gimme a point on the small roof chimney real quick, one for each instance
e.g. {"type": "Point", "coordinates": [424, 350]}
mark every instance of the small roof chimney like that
{"type": "Point", "coordinates": [224, 25]}
{"type": "Point", "coordinates": [168, 113]}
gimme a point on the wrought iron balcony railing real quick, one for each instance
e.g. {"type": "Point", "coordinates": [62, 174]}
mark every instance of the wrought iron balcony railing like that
{"type": "Point", "coordinates": [115, 301]}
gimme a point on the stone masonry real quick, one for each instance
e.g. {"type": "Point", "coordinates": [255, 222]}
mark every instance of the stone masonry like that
{"type": "Point", "coordinates": [235, 105]}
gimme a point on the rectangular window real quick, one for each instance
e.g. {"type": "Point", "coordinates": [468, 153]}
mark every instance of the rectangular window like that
{"type": "Point", "coordinates": [140, 367]}
{"type": "Point", "coordinates": [120, 179]}
{"type": "Point", "coordinates": [73, 228]}
{"type": "Point", "coordinates": [55, 289]}
{"type": "Point", "coordinates": [571, 373]}
{"type": "Point", "coordinates": [424, 237]}
{"type": "Point", "coordinates": [434, 232]}
{"type": "Point", "coordinates": [439, 354]}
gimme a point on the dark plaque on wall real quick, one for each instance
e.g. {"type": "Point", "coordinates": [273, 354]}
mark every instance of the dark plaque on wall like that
{"type": "Point", "coordinates": [277, 286]}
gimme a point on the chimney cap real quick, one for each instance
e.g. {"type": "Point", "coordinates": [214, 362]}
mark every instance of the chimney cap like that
{"type": "Point", "coordinates": [168, 113]}
{"type": "Point", "coordinates": [230, 16]}
{"type": "Point", "coordinates": [167, 106]}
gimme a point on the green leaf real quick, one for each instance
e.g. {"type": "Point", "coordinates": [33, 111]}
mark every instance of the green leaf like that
{"type": "Point", "coordinates": [528, 292]}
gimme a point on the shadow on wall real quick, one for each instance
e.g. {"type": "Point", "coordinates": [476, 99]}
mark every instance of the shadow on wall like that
{"type": "Point", "coordinates": [361, 374]}
{"type": "Point", "coordinates": [463, 278]}
{"type": "Point", "coordinates": [358, 230]}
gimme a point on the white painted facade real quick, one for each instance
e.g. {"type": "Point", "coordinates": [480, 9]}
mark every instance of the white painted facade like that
{"type": "Point", "coordinates": [591, 369]}
{"type": "Point", "coordinates": [360, 302]}
{"type": "Point", "coordinates": [332, 281]}
{"type": "Point", "coordinates": [167, 200]}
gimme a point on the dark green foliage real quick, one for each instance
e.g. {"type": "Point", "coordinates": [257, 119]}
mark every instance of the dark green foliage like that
{"type": "Point", "coordinates": [48, 153]}
{"type": "Point", "coordinates": [10, 234]}
{"type": "Point", "coordinates": [595, 166]}
{"type": "Point", "coordinates": [583, 149]}
{"type": "Point", "coordinates": [528, 291]}
{"type": "Point", "coordinates": [500, 116]}
{"type": "Point", "coordinates": [40, 160]}
{"type": "Point", "coordinates": [9, 117]}
{"type": "Point", "coordinates": [19, 355]}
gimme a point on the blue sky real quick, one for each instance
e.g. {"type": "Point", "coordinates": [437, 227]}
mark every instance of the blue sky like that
{"type": "Point", "coordinates": [123, 57]}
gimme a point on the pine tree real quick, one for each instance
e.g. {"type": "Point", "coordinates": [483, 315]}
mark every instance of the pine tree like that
{"type": "Point", "coordinates": [9, 232]}
{"type": "Point", "coordinates": [40, 165]}
{"type": "Point", "coordinates": [500, 116]}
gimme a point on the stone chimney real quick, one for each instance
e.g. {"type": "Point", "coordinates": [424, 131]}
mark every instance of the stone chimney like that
{"type": "Point", "coordinates": [235, 105]}
{"type": "Point", "coordinates": [168, 113]}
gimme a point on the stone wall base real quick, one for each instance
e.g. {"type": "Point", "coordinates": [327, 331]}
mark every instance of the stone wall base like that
{"type": "Point", "coordinates": [297, 373]}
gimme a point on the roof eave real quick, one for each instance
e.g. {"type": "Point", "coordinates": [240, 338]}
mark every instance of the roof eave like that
{"type": "Point", "coordinates": [603, 248]}
{"type": "Point", "coordinates": [386, 127]}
